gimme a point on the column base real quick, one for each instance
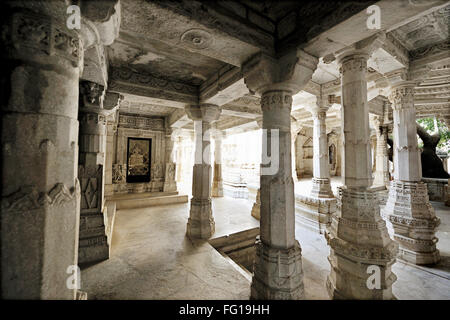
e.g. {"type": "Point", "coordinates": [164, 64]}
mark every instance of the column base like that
{"type": "Point", "coordinates": [170, 186]}
{"type": "Point", "coordinates": [321, 188]}
{"type": "Point", "coordinates": [315, 213]}
{"type": "Point", "coordinates": [201, 222]}
{"type": "Point", "coordinates": [413, 222]}
{"type": "Point", "coordinates": [277, 273]}
{"type": "Point", "coordinates": [359, 240]}
{"type": "Point", "coordinates": [217, 189]}
{"type": "Point", "coordinates": [93, 244]}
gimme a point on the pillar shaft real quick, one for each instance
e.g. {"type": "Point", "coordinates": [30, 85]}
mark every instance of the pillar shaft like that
{"type": "Point", "coordinates": [278, 267]}
{"type": "Point", "coordinates": [94, 245]}
{"type": "Point", "coordinates": [357, 170]}
{"type": "Point", "coordinates": [408, 208]}
{"type": "Point", "coordinates": [321, 187]}
{"type": "Point", "coordinates": [201, 222]}
{"type": "Point", "coordinates": [217, 187]}
{"type": "Point", "coordinates": [277, 219]}
{"type": "Point", "coordinates": [40, 203]}
{"type": "Point", "coordinates": [358, 236]}
{"type": "Point", "coordinates": [170, 184]}
{"type": "Point", "coordinates": [382, 157]}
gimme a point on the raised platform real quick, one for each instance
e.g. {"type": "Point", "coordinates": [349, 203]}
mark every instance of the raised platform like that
{"type": "Point", "coordinates": [147, 199]}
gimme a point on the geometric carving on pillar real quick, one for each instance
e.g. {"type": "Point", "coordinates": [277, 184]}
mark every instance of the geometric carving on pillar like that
{"type": "Point", "coordinates": [414, 222]}
{"type": "Point", "coordinates": [321, 188]}
{"type": "Point", "coordinates": [93, 245]}
{"type": "Point", "coordinates": [279, 276]}
{"type": "Point", "coordinates": [358, 239]}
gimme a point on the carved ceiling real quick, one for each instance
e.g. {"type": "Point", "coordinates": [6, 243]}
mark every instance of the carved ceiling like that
{"type": "Point", "coordinates": [169, 51]}
{"type": "Point", "coordinates": [425, 31]}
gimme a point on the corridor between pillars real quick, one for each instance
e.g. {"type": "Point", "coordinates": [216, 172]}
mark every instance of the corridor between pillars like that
{"type": "Point", "coordinates": [201, 222]}
{"type": "Point", "coordinates": [358, 237]}
{"type": "Point", "coordinates": [408, 208]}
{"type": "Point", "coordinates": [278, 266]}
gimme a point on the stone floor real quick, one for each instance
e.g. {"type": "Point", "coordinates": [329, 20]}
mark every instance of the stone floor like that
{"type": "Point", "coordinates": [152, 259]}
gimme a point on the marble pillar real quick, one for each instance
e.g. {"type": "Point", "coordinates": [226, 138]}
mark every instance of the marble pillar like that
{"type": "Point", "coordinates": [321, 187]}
{"type": "Point", "coordinates": [40, 206]}
{"type": "Point", "coordinates": [170, 184]}
{"type": "Point", "coordinates": [359, 241]}
{"type": "Point", "coordinates": [408, 208]}
{"type": "Point", "coordinates": [201, 222]}
{"type": "Point", "coordinates": [278, 266]}
{"type": "Point", "coordinates": [314, 211]}
{"type": "Point", "coordinates": [382, 157]}
{"type": "Point", "coordinates": [94, 244]}
{"type": "Point", "coordinates": [256, 209]}
{"type": "Point", "coordinates": [217, 185]}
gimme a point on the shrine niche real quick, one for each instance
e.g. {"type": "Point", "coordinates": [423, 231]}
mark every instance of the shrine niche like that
{"type": "Point", "coordinates": [138, 160]}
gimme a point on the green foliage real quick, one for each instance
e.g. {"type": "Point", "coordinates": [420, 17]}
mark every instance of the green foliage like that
{"type": "Point", "coordinates": [428, 125]}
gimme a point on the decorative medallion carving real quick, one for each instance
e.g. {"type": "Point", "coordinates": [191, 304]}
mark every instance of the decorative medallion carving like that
{"type": "Point", "coordinates": [197, 39]}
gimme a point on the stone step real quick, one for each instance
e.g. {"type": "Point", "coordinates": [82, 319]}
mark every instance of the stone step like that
{"type": "Point", "coordinates": [144, 202]}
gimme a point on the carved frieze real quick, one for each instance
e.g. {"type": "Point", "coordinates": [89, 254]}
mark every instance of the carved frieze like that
{"type": "Point", "coordinates": [32, 34]}
{"type": "Point", "coordinates": [28, 198]}
{"type": "Point", "coordinates": [141, 122]}
{"type": "Point", "coordinates": [276, 100]}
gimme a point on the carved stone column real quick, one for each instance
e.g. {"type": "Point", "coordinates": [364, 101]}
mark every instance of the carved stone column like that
{"type": "Point", "coordinates": [179, 159]}
{"type": "Point", "coordinates": [94, 243]}
{"type": "Point", "coordinates": [217, 186]}
{"type": "Point", "coordinates": [314, 211]}
{"type": "Point", "coordinates": [382, 157]}
{"type": "Point", "coordinates": [278, 268]}
{"type": "Point", "coordinates": [358, 237]}
{"type": "Point", "coordinates": [408, 207]}
{"type": "Point", "coordinates": [40, 206]}
{"type": "Point", "coordinates": [256, 209]}
{"type": "Point", "coordinates": [201, 221]}
{"type": "Point", "coordinates": [321, 187]}
{"type": "Point", "coordinates": [294, 132]}
{"type": "Point", "coordinates": [170, 185]}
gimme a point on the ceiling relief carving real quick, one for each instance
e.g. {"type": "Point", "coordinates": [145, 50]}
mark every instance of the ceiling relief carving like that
{"type": "Point", "coordinates": [125, 80]}
{"type": "Point", "coordinates": [425, 31]}
{"type": "Point", "coordinates": [197, 39]}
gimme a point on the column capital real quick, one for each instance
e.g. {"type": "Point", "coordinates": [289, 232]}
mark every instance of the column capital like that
{"type": "Point", "coordinates": [291, 72]}
{"type": "Point", "coordinates": [112, 100]}
{"type": "Point", "coordinates": [402, 95]}
{"type": "Point", "coordinates": [205, 112]}
{"type": "Point", "coordinates": [321, 106]}
{"type": "Point", "coordinates": [91, 95]}
{"type": "Point", "coordinates": [362, 49]}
